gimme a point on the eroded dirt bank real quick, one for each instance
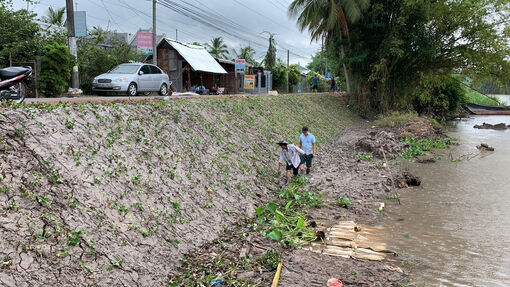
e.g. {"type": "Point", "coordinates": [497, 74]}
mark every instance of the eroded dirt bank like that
{"type": "Point", "coordinates": [116, 194]}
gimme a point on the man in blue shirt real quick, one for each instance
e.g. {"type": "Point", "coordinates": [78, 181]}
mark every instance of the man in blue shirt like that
{"type": "Point", "coordinates": [315, 87]}
{"type": "Point", "coordinates": [307, 143]}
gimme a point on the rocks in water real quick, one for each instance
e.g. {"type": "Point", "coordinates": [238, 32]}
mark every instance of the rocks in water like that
{"type": "Point", "coordinates": [485, 147]}
{"type": "Point", "coordinates": [486, 126]}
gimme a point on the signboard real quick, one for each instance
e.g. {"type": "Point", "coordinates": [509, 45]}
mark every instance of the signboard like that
{"type": "Point", "coordinates": [80, 24]}
{"type": "Point", "coordinates": [240, 65]}
{"type": "Point", "coordinates": [328, 76]}
{"type": "Point", "coordinates": [249, 82]}
{"type": "Point", "coordinates": [144, 43]}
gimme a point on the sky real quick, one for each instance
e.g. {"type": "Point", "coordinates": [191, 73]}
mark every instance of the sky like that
{"type": "Point", "coordinates": [252, 17]}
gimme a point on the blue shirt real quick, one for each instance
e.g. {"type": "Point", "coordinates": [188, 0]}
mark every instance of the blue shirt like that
{"type": "Point", "coordinates": [307, 142]}
{"type": "Point", "coordinates": [315, 81]}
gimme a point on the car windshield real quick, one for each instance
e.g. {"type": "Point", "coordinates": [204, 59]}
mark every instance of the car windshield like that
{"type": "Point", "coordinates": [125, 69]}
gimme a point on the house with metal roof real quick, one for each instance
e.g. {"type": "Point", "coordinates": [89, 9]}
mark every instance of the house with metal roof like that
{"type": "Point", "coordinates": [188, 65]}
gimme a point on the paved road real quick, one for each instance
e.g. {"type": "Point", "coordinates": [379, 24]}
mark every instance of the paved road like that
{"type": "Point", "coordinates": [96, 99]}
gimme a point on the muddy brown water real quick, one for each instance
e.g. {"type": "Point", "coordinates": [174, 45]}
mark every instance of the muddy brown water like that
{"type": "Point", "coordinates": [454, 230]}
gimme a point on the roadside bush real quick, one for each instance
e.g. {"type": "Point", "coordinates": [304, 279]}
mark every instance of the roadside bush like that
{"type": "Point", "coordinates": [439, 96]}
{"type": "Point", "coordinates": [55, 70]}
{"type": "Point", "coordinates": [280, 77]}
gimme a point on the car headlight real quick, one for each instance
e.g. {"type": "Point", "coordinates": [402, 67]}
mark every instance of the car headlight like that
{"type": "Point", "coordinates": [95, 80]}
{"type": "Point", "coordinates": [120, 80]}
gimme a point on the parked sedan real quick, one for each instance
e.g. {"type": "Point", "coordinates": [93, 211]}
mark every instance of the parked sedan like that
{"type": "Point", "coordinates": [132, 78]}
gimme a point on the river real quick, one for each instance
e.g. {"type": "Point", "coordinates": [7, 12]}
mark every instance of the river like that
{"type": "Point", "coordinates": [454, 229]}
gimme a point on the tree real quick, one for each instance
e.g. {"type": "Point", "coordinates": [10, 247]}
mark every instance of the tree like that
{"type": "Point", "coordinates": [217, 48]}
{"type": "Point", "coordinates": [55, 17]}
{"type": "Point", "coordinates": [55, 70]}
{"type": "Point", "coordinates": [19, 36]}
{"type": "Point", "coordinates": [330, 19]}
{"type": "Point", "coordinates": [95, 58]}
{"type": "Point", "coordinates": [270, 59]}
{"type": "Point", "coordinates": [246, 53]}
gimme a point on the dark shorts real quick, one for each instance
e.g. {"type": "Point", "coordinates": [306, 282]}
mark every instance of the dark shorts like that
{"type": "Point", "coordinates": [315, 87]}
{"type": "Point", "coordinates": [307, 159]}
{"type": "Point", "coordinates": [295, 170]}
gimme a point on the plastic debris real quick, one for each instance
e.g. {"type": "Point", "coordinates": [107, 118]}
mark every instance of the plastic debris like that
{"type": "Point", "coordinates": [333, 282]}
{"type": "Point", "coordinates": [216, 283]}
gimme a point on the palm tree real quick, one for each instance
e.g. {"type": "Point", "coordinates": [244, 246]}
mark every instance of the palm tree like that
{"type": "Point", "coordinates": [328, 18]}
{"type": "Point", "coordinates": [217, 48]}
{"type": "Point", "coordinates": [246, 53]}
{"type": "Point", "coordinates": [55, 17]}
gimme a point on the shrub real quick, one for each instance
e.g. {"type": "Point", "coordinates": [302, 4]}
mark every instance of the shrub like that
{"type": "Point", "coordinates": [439, 96]}
{"type": "Point", "coordinates": [55, 70]}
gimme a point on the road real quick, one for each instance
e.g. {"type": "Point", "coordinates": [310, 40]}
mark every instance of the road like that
{"type": "Point", "coordinates": [110, 99]}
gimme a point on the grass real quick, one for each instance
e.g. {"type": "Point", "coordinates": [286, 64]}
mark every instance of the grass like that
{"type": "Point", "coordinates": [475, 97]}
{"type": "Point", "coordinates": [365, 156]}
{"type": "Point", "coordinates": [395, 119]}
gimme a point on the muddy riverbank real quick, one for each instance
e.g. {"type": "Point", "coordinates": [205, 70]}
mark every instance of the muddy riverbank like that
{"type": "Point", "coordinates": [453, 230]}
{"type": "Point", "coordinates": [139, 193]}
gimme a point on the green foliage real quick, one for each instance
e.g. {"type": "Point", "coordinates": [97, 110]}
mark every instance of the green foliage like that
{"type": "Point", "coordinates": [217, 48]}
{"type": "Point", "coordinates": [416, 147]}
{"type": "Point", "coordinates": [475, 97]}
{"type": "Point", "coordinates": [403, 44]}
{"type": "Point", "coordinates": [270, 58]}
{"type": "Point", "coordinates": [323, 85]}
{"type": "Point", "coordinates": [270, 259]}
{"type": "Point", "coordinates": [94, 60]}
{"type": "Point", "coordinates": [365, 156]}
{"type": "Point", "coordinates": [280, 77]}
{"type": "Point", "coordinates": [395, 119]}
{"type": "Point", "coordinates": [285, 221]}
{"type": "Point", "coordinates": [74, 237]}
{"type": "Point", "coordinates": [247, 53]}
{"type": "Point", "coordinates": [344, 202]}
{"type": "Point", "coordinates": [55, 70]}
{"type": "Point", "coordinates": [439, 96]}
{"type": "Point", "coordinates": [55, 17]}
{"type": "Point", "coordinates": [19, 35]}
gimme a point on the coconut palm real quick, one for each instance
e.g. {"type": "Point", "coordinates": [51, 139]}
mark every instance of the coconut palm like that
{"type": "Point", "coordinates": [55, 17]}
{"type": "Point", "coordinates": [246, 53]}
{"type": "Point", "coordinates": [217, 48]}
{"type": "Point", "coordinates": [328, 18]}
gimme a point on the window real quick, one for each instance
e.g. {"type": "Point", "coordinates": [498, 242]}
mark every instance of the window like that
{"type": "Point", "coordinates": [145, 69]}
{"type": "Point", "coordinates": [155, 70]}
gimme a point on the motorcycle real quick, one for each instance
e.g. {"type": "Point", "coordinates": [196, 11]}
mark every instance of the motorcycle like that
{"type": "Point", "coordinates": [13, 83]}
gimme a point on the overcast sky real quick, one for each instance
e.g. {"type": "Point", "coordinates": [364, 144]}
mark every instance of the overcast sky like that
{"type": "Point", "coordinates": [255, 16]}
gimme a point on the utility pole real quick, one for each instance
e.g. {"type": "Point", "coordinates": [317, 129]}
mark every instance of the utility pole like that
{"type": "Point", "coordinates": [288, 70]}
{"type": "Point", "coordinates": [176, 34]}
{"type": "Point", "coordinates": [75, 82]}
{"type": "Point", "coordinates": [154, 35]}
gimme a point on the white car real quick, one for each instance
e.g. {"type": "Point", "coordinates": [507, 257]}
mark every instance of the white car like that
{"type": "Point", "coordinates": [133, 78]}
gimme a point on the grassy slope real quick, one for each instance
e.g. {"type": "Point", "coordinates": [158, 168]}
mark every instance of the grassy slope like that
{"type": "Point", "coordinates": [475, 97]}
{"type": "Point", "coordinates": [121, 191]}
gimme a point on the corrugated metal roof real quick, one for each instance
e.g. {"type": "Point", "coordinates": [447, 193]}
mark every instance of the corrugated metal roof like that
{"type": "Point", "coordinates": [197, 56]}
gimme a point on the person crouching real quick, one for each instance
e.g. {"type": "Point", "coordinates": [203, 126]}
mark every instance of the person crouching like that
{"type": "Point", "coordinates": [290, 155]}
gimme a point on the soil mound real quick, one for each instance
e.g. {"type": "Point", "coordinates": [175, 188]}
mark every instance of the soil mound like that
{"type": "Point", "coordinates": [389, 141]}
{"type": "Point", "coordinates": [419, 127]}
{"type": "Point", "coordinates": [115, 194]}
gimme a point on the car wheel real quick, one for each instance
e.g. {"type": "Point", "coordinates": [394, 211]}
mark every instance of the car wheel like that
{"type": "Point", "coordinates": [163, 91]}
{"type": "Point", "coordinates": [132, 90]}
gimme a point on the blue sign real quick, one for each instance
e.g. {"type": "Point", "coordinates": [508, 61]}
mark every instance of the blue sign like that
{"type": "Point", "coordinates": [80, 23]}
{"type": "Point", "coordinates": [240, 65]}
{"type": "Point", "coordinates": [328, 76]}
